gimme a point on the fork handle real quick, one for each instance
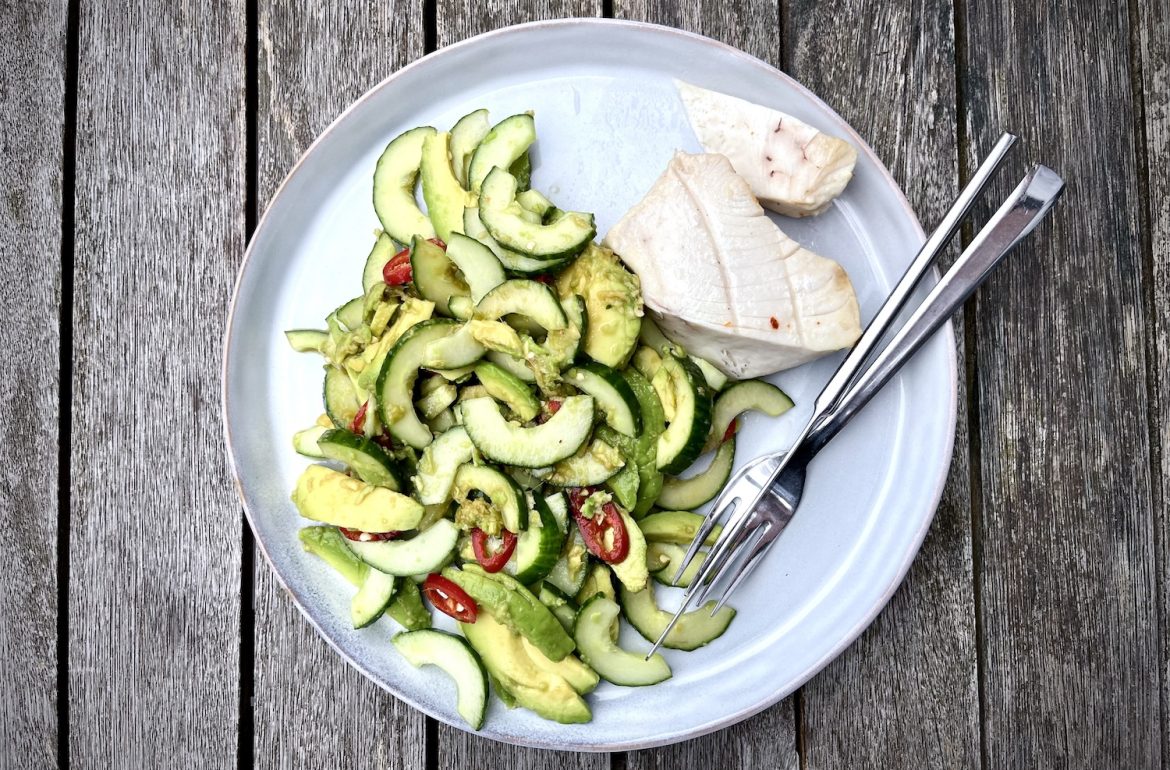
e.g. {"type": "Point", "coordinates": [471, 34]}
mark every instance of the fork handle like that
{"type": "Point", "coordinates": [1018, 216]}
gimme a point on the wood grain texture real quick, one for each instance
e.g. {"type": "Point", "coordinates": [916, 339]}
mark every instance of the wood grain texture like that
{"type": "Point", "coordinates": [896, 85]}
{"type": "Point", "coordinates": [156, 528]}
{"type": "Point", "coordinates": [32, 100]}
{"type": "Point", "coordinates": [456, 20]}
{"type": "Point", "coordinates": [1067, 558]}
{"type": "Point", "coordinates": [768, 740]}
{"type": "Point", "coordinates": [1152, 52]}
{"type": "Point", "coordinates": [314, 60]}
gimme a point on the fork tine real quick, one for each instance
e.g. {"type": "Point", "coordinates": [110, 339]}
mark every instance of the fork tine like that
{"type": "Point", "coordinates": [704, 530]}
{"type": "Point", "coordinates": [755, 556]}
{"type": "Point", "coordinates": [721, 555]}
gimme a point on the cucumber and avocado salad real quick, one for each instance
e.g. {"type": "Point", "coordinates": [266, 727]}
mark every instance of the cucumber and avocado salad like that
{"type": "Point", "coordinates": [498, 366]}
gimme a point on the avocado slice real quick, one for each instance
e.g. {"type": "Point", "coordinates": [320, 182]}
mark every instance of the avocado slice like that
{"type": "Point", "coordinates": [325, 495]}
{"type": "Point", "coordinates": [514, 606]}
{"type": "Point", "coordinates": [508, 389]}
{"type": "Point", "coordinates": [444, 195]}
{"type": "Point", "coordinates": [613, 304]}
{"type": "Point", "coordinates": [632, 571]}
{"type": "Point", "coordinates": [512, 668]}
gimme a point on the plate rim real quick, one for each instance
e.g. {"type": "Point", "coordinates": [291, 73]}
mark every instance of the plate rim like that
{"type": "Point", "coordinates": [864, 621]}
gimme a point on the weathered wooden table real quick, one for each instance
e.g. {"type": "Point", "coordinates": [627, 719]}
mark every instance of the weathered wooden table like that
{"type": "Point", "coordinates": [139, 141]}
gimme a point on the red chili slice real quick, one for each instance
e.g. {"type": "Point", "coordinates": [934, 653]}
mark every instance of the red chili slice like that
{"type": "Point", "coordinates": [544, 278]}
{"type": "Point", "coordinates": [367, 537]}
{"type": "Point", "coordinates": [492, 562]}
{"type": "Point", "coordinates": [438, 242]}
{"type": "Point", "coordinates": [731, 429]}
{"type": "Point", "coordinates": [359, 420]}
{"type": "Point", "coordinates": [593, 529]}
{"type": "Point", "coordinates": [450, 599]}
{"type": "Point", "coordinates": [397, 270]}
{"type": "Point", "coordinates": [551, 407]}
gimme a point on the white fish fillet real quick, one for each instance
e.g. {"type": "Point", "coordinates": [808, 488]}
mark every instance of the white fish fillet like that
{"type": "Point", "coordinates": [792, 168]}
{"type": "Point", "coordinates": [722, 280]}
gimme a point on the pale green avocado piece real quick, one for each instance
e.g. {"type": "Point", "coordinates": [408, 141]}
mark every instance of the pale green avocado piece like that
{"type": "Point", "coordinates": [325, 495]}
{"type": "Point", "coordinates": [497, 336]}
{"type": "Point", "coordinates": [508, 389]}
{"type": "Point", "coordinates": [514, 606]}
{"type": "Point", "coordinates": [407, 607]}
{"type": "Point", "coordinates": [329, 545]}
{"type": "Point", "coordinates": [535, 688]}
{"type": "Point", "coordinates": [570, 668]}
{"type": "Point", "coordinates": [444, 195]}
{"type": "Point", "coordinates": [412, 312]}
{"type": "Point", "coordinates": [613, 304]}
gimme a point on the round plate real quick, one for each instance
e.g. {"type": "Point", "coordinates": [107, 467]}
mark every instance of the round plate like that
{"type": "Point", "coordinates": [607, 124]}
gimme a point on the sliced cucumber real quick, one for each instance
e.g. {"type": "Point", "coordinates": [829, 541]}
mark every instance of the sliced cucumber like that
{"type": "Point", "coordinates": [716, 380]}
{"type": "Point", "coordinates": [508, 389]}
{"type": "Point", "coordinates": [396, 381]}
{"type": "Point", "coordinates": [466, 135]}
{"type": "Point", "coordinates": [426, 552]}
{"type": "Point", "coordinates": [530, 299]}
{"type": "Point", "coordinates": [533, 201]}
{"type": "Point", "coordinates": [511, 260]}
{"type": "Point", "coordinates": [352, 313]}
{"type": "Point", "coordinates": [361, 455]}
{"type": "Point", "coordinates": [693, 629]}
{"type": "Point", "coordinates": [501, 215]}
{"type": "Point", "coordinates": [306, 340]}
{"type": "Point", "coordinates": [505, 494]}
{"type": "Point", "coordinates": [591, 632]}
{"type": "Point", "coordinates": [457, 375]}
{"type": "Point", "coordinates": [679, 527]}
{"type": "Point", "coordinates": [437, 400]}
{"type": "Point", "coordinates": [568, 574]}
{"type": "Point", "coordinates": [538, 547]}
{"type": "Point", "coordinates": [512, 365]}
{"type": "Point", "coordinates": [522, 170]}
{"type": "Point", "coordinates": [504, 145]}
{"type": "Point", "coordinates": [434, 275]}
{"type": "Point", "coordinates": [435, 476]}
{"type": "Point", "coordinates": [740, 397]}
{"type": "Point", "coordinates": [372, 598]}
{"type": "Point", "coordinates": [612, 393]}
{"type": "Point", "coordinates": [305, 441]}
{"type": "Point", "coordinates": [454, 351]}
{"type": "Point", "coordinates": [559, 509]}
{"type": "Point", "coordinates": [480, 267]}
{"type": "Point", "coordinates": [562, 607]}
{"type": "Point", "coordinates": [442, 422]}
{"type": "Point", "coordinates": [536, 447]}
{"type": "Point", "coordinates": [649, 478]}
{"type": "Point", "coordinates": [394, 180]}
{"type": "Point", "coordinates": [455, 657]}
{"type": "Point", "coordinates": [683, 439]}
{"type": "Point", "coordinates": [664, 559]}
{"type": "Point", "coordinates": [591, 465]}
{"type": "Point", "coordinates": [442, 190]}
{"type": "Point", "coordinates": [689, 494]}
{"type": "Point", "coordinates": [341, 397]}
{"type": "Point", "coordinates": [384, 250]}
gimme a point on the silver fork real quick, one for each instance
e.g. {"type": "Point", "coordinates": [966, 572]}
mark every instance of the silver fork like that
{"type": "Point", "coordinates": [762, 497]}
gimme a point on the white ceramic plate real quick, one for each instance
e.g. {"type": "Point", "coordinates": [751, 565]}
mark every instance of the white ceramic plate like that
{"type": "Point", "coordinates": [608, 119]}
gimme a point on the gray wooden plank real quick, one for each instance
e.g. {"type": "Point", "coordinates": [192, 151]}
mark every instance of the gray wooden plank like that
{"type": "Point", "coordinates": [311, 709]}
{"type": "Point", "coordinates": [909, 686]}
{"type": "Point", "coordinates": [155, 526]}
{"type": "Point", "coordinates": [33, 101]}
{"type": "Point", "coordinates": [1066, 561]}
{"type": "Point", "coordinates": [454, 21]}
{"type": "Point", "coordinates": [768, 740]}
{"type": "Point", "coordinates": [1153, 55]}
